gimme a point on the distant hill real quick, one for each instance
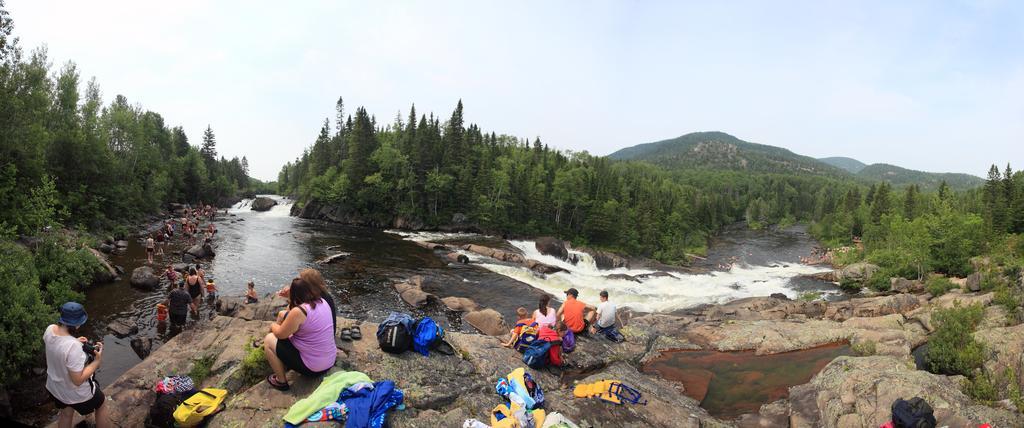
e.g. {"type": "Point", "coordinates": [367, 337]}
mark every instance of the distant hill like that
{"type": "Point", "coordinates": [927, 180]}
{"type": "Point", "coordinates": [718, 150]}
{"type": "Point", "coordinates": [849, 164]}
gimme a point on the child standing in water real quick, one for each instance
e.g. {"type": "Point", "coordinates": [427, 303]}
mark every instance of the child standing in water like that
{"type": "Point", "coordinates": [211, 289]}
{"type": "Point", "coordinates": [161, 312]}
{"type": "Point", "coordinates": [250, 295]}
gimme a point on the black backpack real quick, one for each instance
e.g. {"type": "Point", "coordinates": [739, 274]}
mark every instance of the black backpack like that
{"type": "Point", "coordinates": [913, 413]}
{"type": "Point", "coordinates": [161, 413]}
{"type": "Point", "coordinates": [394, 335]}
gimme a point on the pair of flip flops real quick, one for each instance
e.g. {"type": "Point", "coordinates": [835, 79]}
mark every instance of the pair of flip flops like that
{"type": "Point", "coordinates": [351, 333]}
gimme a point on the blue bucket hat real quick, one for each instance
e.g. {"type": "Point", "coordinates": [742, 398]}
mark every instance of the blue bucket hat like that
{"type": "Point", "coordinates": [72, 314]}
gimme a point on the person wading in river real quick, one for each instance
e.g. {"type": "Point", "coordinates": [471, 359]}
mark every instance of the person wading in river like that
{"type": "Point", "coordinates": [178, 303]}
{"type": "Point", "coordinates": [195, 288]}
{"type": "Point", "coordinates": [301, 339]}
{"type": "Point", "coordinates": [150, 249]}
{"type": "Point", "coordinates": [69, 374]}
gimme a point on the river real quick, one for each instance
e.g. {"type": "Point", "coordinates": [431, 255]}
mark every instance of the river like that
{"type": "Point", "coordinates": [271, 247]}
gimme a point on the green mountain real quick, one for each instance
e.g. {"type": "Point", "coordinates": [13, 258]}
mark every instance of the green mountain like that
{"type": "Point", "coordinates": [928, 180]}
{"type": "Point", "coordinates": [849, 164]}
{"type": "Point", "coordinates": [718, 150]}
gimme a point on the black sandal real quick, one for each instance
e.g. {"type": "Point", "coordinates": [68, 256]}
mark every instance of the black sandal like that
{"type": "Point", "coordinates": [277, 386]}
{"type": "Point", "coordinates": [346, 334]}
{"type": "Point", "coordinates": [356, 333]}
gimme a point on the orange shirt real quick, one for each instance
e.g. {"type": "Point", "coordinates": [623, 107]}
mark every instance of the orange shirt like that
{"type": "Point", "coordinates": [572, 314]}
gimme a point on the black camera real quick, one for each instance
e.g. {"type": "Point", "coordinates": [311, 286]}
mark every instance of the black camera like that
{"type": "Point", "coordinates": [89, 347]}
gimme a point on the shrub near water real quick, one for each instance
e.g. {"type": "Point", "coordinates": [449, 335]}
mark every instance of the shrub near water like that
{"type": "Point", "coordinates": [23, 315]}
{"type": "Point", "coordinates": [938, 285]}
{"type": "Point", "coordinates": [952, 348]}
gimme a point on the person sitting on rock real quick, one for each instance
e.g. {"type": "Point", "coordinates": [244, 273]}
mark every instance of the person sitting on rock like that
{"type": "Point", "coordinates": [607, 315]}
{"type": "Point", "coordinates": [523, 315]}
{"type": "Point", "coordinates": [574, 313]}
{"type": "Point", "coordinates": [69, 374]}
{"type": "Point", "coordinates": [314, 278]}
{"type": "Point", "coordinates": [302, 338]}
{"type": "Point", "coordinates": [545, 315]}
{"type": "Point", "coordinates": [250, 295]}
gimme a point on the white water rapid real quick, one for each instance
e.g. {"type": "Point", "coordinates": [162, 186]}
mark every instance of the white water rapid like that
{"type": "Point", "coordinates": [651, 294]}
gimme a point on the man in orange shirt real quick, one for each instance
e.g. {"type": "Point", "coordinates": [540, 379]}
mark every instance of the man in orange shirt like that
{"type": "Point", "coordinates": [574, 312]}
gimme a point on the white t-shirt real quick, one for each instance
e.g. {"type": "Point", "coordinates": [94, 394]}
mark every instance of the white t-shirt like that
{"type": "Point", "coordinates": [548, 319]}
{"type": "Point", "coordinates": [606, 314]}
{"type": "Point", "coordinates": [65, 353]}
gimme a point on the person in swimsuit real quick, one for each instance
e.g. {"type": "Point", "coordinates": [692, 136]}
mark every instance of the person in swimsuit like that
{"type": "Point", "coordinates": [150, 248]}
{"type": "Point", "coordinates": [161, 236]}
{"type": "Point", "coordinates": [250, 295]}
{"type": "Point", "coordinates": [194, 284]}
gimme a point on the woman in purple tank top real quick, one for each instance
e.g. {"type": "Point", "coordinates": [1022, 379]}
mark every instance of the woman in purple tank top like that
{"type": "Point", "coordinates": [303, 338]}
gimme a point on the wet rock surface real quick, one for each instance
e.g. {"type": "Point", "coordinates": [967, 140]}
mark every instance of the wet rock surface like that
{"type": "Point", "coordinates": [263, 203]}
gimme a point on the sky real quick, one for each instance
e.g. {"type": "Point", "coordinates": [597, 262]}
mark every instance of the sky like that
{"type": "Point", "coordinates": [930, 85]}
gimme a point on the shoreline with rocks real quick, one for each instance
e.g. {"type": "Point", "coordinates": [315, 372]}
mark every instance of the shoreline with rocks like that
{"type": "Point", "coordinates": [851, 391]}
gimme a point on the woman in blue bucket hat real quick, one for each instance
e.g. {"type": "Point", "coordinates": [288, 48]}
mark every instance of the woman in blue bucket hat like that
{"type": "Point", "coordinates": [71, 363]}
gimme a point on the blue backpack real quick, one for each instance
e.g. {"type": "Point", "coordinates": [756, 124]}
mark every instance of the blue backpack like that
{"type": "Point", "coordinates": [428, 335]}
{"type": "Point", "coordinates": [536, 356]}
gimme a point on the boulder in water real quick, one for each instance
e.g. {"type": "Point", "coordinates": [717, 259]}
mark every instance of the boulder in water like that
{"type": "Point", "coordinates": [200, 251]}
{"type": "Point", "coordinates": [143, 277]}
{"type": "Point", "coordinates": [622, 277]}
{"type": "Point", "coordinates": [332, 258]}
{"type": "Point", "coordinates": [412, 293]}
{"type": "Point", "coordinates": [606, 259]}
{"type": "Point", "coordinates": [457, 258]}
{"type": "Point", "coordinates": [263, 203]}
{"type": "Point", "coordinates": [142, 346]}
{"type": "Point", "coordinates": [460, 304]}
{"type": "Point", "coordinates": [488, 321]}
{"type": "Point", "coordinates": [658, 274]}
{"type": "Point", "coordinates": [122, 329]}
{"type": "Point", "coordinates": [543, 268]}
{"type": "Point", "coordinates": [553, 247]}
{"type": "Point", "coordinates": [122, 244]}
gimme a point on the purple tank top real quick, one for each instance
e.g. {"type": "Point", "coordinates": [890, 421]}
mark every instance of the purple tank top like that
{"type": "Point", "coordinates": [315, 337]}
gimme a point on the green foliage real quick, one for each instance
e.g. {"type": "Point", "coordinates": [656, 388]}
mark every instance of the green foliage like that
{"type": "Point", "coordinates": [938, 285]}
{"type": "Point", "coordinates": [900, 177]}
{"type": "Point", "coordinates": [981, 387]}
{"type": "Point", "coordinates": [201, 368]}
{"type": "Point", "coordinates": [810, 296]}
{"type": "Point", "coordinates": [952, 348]}
{"type": "Point", "coordinates": [1013, 389]}
{"type": "Point", "coordinates": [23, 315]}
{"type": "Point", "coordinates": [69, 159]}
{"type": "Point", "coordinates": [63, 268]}
{"type": "Point", "coordinates": [254, 366]}
{"type": "Point", "coordinates": [864, 348]}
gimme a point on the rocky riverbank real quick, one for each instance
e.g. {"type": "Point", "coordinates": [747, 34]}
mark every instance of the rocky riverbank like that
{"type": "Point", "coordinates": [853, 391]}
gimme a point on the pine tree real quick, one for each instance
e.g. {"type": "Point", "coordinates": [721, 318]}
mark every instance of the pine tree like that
{"type": "Point", "coordinates": [209, 148]}
{"type": "Point", "coordinates": [995, 201]}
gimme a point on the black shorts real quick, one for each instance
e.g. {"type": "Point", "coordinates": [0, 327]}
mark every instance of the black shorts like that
{"type": "Point", "coordinates": [149, 250]}
{"type": "Point", "coordinates": [586, 327]}
{"type": "Point", "coordinates": [289, 355]}
{"type": "Point", "coordinates": [179, 319]}
{"type": "Point", "coordinates": [85, 407]}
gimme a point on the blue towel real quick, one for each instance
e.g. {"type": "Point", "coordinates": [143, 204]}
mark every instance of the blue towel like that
{"type": "Point", "coordinates": [367, 407]}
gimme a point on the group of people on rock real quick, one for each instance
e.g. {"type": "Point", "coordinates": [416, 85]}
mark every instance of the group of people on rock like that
{"type": "Point", "coordinates": [573, 315]}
